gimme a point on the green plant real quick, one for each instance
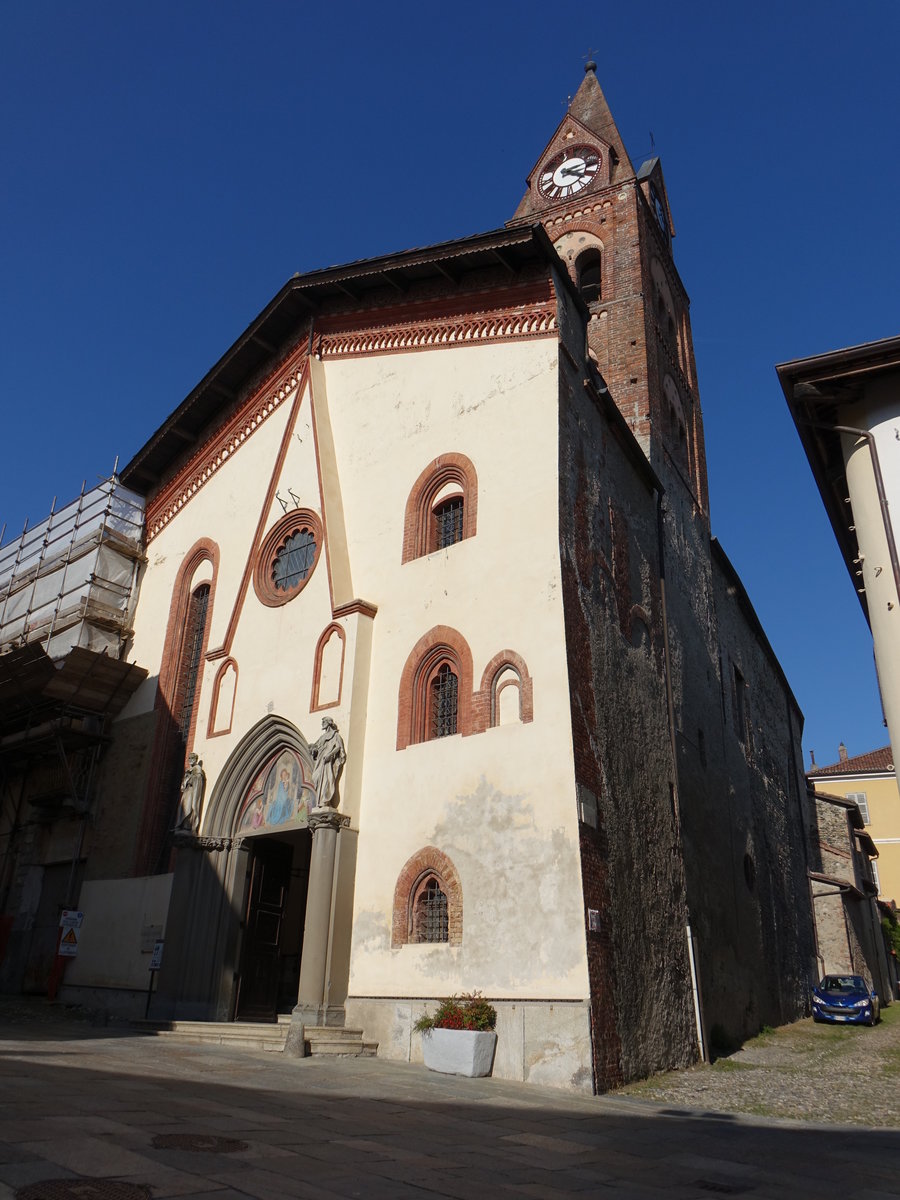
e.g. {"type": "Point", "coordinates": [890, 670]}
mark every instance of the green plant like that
{"type": "Point", "coordinates": [468, 1011]}
{"type": "Point", "coordinates": [891, 927]}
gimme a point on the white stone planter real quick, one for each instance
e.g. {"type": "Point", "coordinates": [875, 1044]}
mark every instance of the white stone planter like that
{"type": "Point", "coordinates": [459, 1051]}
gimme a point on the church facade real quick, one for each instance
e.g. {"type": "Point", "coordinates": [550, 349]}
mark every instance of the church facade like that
{"type": "Point", "coordinates": [473, 699]}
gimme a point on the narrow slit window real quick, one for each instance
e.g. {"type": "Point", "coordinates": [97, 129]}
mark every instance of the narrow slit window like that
{"type": "Point", "coordinates": [193, 652]}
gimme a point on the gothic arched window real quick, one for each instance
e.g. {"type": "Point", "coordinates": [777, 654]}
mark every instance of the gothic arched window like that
{"type": "Point", "coordinates": [428, 901]}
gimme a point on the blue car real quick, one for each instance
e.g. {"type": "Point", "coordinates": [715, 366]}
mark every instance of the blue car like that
{"type": "Point", "coordinates": [845, 1000]}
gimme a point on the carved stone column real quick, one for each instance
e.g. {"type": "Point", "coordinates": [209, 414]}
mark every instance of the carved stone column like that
{"type": "Point", "coordinates": [312, 1004]}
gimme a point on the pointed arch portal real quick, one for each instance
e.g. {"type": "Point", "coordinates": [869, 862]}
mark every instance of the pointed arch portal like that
{"type": "Point", "coordinates": [238, 918]}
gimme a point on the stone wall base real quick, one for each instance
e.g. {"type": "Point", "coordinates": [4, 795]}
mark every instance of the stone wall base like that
{"type": "Point", "coordinates": [121, 1003]}
{"type": "Point", "coordinates": [538, 1041]}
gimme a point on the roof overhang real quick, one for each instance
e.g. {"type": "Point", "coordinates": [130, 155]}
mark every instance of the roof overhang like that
{"type": "Point", "coordinates": [820, 391]}
{"type": "Point", "coordinates": [458, 266]}
{"type": "Point", "coordinates": [842, 885]}
{"type": "Point", "coordinates": [865, 840]}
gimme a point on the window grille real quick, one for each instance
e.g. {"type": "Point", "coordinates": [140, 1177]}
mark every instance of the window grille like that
{"type": "Point", "coordinates": [862, 801]}
{"type": "Point", "coordinates": [294, 560]}
{"type": "Point", "coordinates": [444, 692]}
{"type": "Point", "coordinates": [431, 915]}
{"type": "Point", "coordinates": [448, 519]}
{"type": "Point", "coordinates": [193, 651]}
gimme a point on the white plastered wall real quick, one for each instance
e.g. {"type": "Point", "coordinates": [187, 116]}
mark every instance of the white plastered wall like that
{"type": "Point", "coordinates": [500, 804]}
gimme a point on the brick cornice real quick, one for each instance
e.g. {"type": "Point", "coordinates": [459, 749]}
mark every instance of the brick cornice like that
{"type": "Point", "coordinates": [219, 448]}
{"type": "Point", "coordinates": [493, 325]}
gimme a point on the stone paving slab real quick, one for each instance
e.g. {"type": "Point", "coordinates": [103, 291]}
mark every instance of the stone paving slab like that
{"type": "Point", "coordinates": [87, 1105]}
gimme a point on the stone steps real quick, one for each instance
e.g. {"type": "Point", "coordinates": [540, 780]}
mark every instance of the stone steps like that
{"type": "Point", "coordinates": [269, 1036]}
{"type": "Point", "coordinates": [338, 1041]}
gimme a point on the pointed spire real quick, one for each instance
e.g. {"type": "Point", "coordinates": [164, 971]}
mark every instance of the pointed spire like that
{"type": "Point", "coordinates": [590, 108]}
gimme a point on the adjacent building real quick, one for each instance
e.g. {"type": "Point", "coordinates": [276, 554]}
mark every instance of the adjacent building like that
{"type": "Point", "coordinates": [849, 936]}
{"type": "Point", "coordinates": [870, 781]}
{"type": "Point", "coordinates": [448, 685]}
{"type": "Point", "coordinates": [846, 406]}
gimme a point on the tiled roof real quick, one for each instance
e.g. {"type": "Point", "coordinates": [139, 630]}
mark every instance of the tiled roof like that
{"type": "Point", "coordinates": [860, 764]}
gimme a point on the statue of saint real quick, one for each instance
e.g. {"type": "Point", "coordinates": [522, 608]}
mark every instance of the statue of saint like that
{"type": "Point", "coordinates": [329, 757]}
{"type": "Point", "coordinates": [192, 795]}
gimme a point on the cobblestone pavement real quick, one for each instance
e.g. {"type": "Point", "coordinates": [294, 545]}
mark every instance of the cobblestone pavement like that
{"type": "Point", "coordinates": [110, 1111]}
{"type": "Point", "coordinates": [828, 1073]}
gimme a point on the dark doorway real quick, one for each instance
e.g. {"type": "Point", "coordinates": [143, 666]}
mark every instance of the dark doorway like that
{"type": "Point", "coordinates": [273, 926]}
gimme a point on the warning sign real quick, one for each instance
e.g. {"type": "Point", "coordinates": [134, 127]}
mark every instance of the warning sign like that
{"type": "Point", "coordinates": [156, 960]}
{"type": "Point", "coordinates": [70, 918]}
{"type": "Point", "coordinates": [68, 943]}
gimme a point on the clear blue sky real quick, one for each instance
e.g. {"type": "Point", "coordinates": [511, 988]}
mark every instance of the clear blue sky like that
{"type": "Point", "coordinates": [168, 166]}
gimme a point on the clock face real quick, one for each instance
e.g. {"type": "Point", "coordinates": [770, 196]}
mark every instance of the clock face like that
{"type": "Point", "coordinates": [568, 172]}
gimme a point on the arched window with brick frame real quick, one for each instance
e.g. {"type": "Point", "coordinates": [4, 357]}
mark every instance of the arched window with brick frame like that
{"type": "Point", "coordinates": [428, 904]}
{"type": "Point", "coordinates": [435, 695]}
{"type": "Point", "coordinates": [506, 694]}
{"type": "Point", "coordinates": [442, 507]}
{"type": "Point", "coordinates": [177, 698]}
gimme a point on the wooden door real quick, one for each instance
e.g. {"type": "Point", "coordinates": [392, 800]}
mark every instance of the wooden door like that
{"type": "Point", "coordinates": [270, 878]}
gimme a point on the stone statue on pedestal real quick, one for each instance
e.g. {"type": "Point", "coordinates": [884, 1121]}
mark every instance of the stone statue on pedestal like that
{"type": "Point", "coordinates": [192, 786]}
{"type": "Point", "coordinates": [329, 756]}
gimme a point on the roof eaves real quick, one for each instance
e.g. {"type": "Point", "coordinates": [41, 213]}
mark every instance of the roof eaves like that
{"type": "Point", "coordinates": [301, 290]}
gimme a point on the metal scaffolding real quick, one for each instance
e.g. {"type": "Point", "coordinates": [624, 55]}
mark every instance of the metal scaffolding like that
{"type": "Point", "coordinates": [70, 580]}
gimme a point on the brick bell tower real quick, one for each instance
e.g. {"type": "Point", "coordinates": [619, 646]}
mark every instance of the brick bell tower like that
{"type": "Point", "coordinates": [613, 228]}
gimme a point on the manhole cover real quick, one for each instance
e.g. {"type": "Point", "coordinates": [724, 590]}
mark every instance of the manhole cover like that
{"type": "Point", "coordinates": [83, 1189]}
{"type": "Point", "coordinates": [201, 1143]}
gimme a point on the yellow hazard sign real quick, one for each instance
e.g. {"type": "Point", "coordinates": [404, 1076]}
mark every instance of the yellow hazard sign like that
{"type": "Point", "coordinates": [68, 943]}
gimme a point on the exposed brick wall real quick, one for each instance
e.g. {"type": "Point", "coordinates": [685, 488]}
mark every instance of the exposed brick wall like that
{"type": "Point", "coordinates": [632, 876]}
